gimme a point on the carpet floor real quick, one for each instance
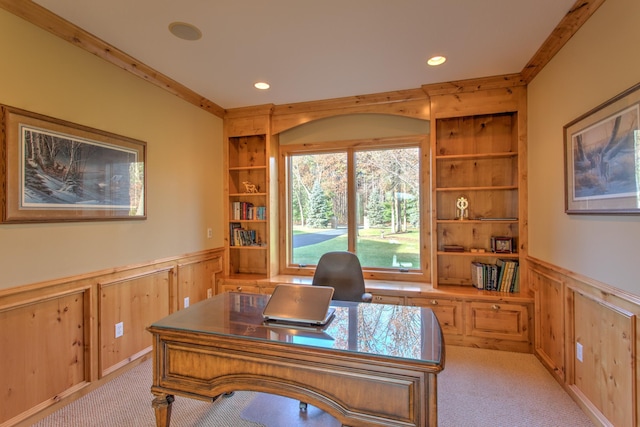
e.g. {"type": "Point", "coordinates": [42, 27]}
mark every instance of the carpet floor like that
{"type": "Point", "coordinates": [477, 388]}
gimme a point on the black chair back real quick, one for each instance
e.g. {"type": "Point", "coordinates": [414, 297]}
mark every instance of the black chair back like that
{"type": "Point", "coordinates": [342, 271]}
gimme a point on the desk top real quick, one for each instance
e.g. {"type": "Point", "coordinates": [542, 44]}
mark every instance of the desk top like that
{"type": "Point", "coordinates": [394, 331]}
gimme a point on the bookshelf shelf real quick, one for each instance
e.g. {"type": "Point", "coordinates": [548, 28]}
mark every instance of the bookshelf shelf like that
{"type": "Point", "coordinates": [247, 194]}
{"type": "Point", "coordinates": [477, 156]}
{"type": "Point", "coordinates": [249, 247]}
{"type": "Point", "coordinates": [245, 168]}
{"type": "Point", "coordinates": [478, 221]}
{"type": "Point", "coordinates": [493, 188]}
{"type": "Point", "coordinates": [479, 254]}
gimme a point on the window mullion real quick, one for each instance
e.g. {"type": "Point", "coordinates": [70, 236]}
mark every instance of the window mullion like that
{"type": "Point", "coordinates": [351, 199]}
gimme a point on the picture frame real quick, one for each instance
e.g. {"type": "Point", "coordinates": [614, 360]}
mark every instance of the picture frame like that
{"type": "Point", "coordinates": [54, 171]}
{"type": "Point", "coordinates": [502, 245]}
{"type": "Point", "coordinates": [602, 158]}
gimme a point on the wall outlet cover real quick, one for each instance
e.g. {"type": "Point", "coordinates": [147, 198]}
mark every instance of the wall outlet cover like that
{"type": "Point", "coordinates": [119, 329]}
{"type": "Point", "coordinates": [579, 351]}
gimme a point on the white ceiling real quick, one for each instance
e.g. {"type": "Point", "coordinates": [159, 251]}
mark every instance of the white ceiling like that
{"type": "Point", "coordinates": [312, 50]}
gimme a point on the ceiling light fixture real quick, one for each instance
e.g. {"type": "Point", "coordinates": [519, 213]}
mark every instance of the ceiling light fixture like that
{"type": "Point", "coordinates": [436, 60]}
{"type": "Point", "coordinates": [262, 85]}
{"type": "Point", "coordinates": [185, 31]}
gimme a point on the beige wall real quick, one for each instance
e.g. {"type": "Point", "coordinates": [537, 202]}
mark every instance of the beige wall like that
{"type": "Point", "coordinates": [599, 62]}
{"type": "Point", "coordinates": [354, 126]}
{"type": "Point", "coordinates": [44, 74]}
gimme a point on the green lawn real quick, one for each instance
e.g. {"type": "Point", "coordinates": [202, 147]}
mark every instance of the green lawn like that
{"type": "Point", "coordinates": [373, 249]}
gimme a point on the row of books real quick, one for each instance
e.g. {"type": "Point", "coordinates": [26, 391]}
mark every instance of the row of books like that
{"type": "Point", "coordinates": [503, 276]}
{"type": "Point", "coordinates": [239, 236]}
{"type": "Point", "coordinates": [246, 211]}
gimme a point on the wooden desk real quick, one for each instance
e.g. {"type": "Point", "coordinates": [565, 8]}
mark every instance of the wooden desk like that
{"type": "Point", "coordinates": [374, 365]}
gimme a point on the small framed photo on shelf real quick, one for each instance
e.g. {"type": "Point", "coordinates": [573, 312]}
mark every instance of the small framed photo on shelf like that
{"type": "Point", "coordinates": [503, 245]}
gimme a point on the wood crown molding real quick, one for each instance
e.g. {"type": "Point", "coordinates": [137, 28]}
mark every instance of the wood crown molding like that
{"type": "Point", "coordinates": [252, 111]}
{"type": "Point", "coordinates": [568, 26]}
{"type": "Point", "coordinates": [474, 85]}
{"type": "Point", "coordinates": [41, 17]}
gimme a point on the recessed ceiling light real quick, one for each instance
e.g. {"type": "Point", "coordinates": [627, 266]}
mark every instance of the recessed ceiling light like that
{"type": "Point", "coordinates": [436, 60]}
{"type": "Point", "coordinates": [262, 85]}
{"type": "Point", "coordinates": [185, 31]}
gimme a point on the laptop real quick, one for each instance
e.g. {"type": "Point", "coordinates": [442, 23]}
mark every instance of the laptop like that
{"type": "Point", "coordinates": [299, 305]}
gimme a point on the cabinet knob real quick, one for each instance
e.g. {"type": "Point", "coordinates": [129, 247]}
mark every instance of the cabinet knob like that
{"type": "Point", "coordinates": [495, 307]}
{"type": "Point", "coordinates": [434, 302]}
{"type": "Point", "coordinates": [239, 289]}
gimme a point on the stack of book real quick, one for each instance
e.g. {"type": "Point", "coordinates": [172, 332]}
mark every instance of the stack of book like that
{"type": "Point", "coordinates": [503, 276]}
{"type": "Point", "coordinates": [246, 211]}
{"type": "Point", "coordinates": [239, 236]}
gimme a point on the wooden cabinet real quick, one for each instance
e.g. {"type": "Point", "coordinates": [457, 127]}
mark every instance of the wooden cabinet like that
{"type": "Point", "coordinates": [481, 158]}
{"type": "Point", "coordinates": [486, 323]}
{"type": "Point", "coordinates": [448, 312]}
{"type": "Point", "coordinates": [498, 320]}
{"type": "Point", "coordinates": [250, 190]}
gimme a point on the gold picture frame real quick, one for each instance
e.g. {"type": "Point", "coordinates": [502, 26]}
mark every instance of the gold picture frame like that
{"type": "Point", "coordinates": [53, 170]}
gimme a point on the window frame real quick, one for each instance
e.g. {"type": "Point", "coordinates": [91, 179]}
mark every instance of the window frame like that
{"type": "Point", "coordinates": [423, 273]}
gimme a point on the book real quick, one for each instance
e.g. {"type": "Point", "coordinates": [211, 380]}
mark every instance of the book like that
{"type": "Point", "coordinates": [477, 276]}
{"type": "Point", "coordinates": [232, 233]}
{"type": "Point", "coordinates": [515, 285]}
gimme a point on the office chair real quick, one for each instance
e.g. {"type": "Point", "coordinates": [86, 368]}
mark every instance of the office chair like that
{"type": "Point", "coordinates": [342, 271]}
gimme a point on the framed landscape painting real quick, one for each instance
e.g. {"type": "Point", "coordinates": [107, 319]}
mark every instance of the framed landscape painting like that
{"type": "Point", "coordinates": [54, 170]}
{"type": "Point", "coordinates": [602, 158]}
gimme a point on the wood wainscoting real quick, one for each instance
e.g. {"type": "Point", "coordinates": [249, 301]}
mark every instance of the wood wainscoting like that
{"type": "Point", "coordinates": [58, 338]}
{"type": "Point", "coordinates": [586, 335]}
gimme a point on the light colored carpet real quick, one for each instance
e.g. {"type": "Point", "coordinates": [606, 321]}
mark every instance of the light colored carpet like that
{"type": "Point", "coordinates": [477, 388]}
{"type": "Point", "coordinates": [502, 389]}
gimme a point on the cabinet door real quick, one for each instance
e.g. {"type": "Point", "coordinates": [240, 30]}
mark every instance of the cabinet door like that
{"type": "Point", "coordinates": [448, 312]}
{"type": "Point", "coordinates": [497, 320]}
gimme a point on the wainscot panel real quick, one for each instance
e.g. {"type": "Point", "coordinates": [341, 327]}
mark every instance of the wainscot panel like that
{"type": "Point", "coordinates": [58, 338]}
{"type": "Point", "coordinates": [586, 336]}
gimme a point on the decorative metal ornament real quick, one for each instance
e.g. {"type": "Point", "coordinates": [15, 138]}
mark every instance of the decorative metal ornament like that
{"type": "Point", "coordinates": [462, 208]}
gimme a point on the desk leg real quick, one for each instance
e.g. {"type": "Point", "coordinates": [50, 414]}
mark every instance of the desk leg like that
{"type": "Point", "coordinates": [433, 400]}
{"type": "Point", "coordinates": [162, 405]}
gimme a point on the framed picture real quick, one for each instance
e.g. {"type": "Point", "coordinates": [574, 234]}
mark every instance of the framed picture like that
{"type": "Point", "coordinates": [502, 245]}
{"type": "Point", "coordinates": [54, 170]}
{"type": "Point", "coordinates": [602, 158]}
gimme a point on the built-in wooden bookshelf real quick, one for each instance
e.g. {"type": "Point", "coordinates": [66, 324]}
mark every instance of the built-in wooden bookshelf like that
{"type": "Point", "coordinates": [476, 157]}
{"type": "Point", "coordinates": [248, 192]}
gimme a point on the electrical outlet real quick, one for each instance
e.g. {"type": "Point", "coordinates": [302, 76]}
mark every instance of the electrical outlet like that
{"type": "Point", "coordinates": [186, 302]}
{"type": "Point", "coordinates": [209, 233]}
{"type": "Point", "coordinates": [119, 329]}
{"type": "Point", "coordinates": [579, 351]}
{"type": "Point", "coordinates": [209, 293]}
